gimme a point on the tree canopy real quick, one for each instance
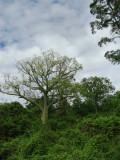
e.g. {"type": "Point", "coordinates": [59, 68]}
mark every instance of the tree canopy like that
{"type": "Point", "coordinates": [107, 15]}
{"type": "Point", "coordinates": [96, 89]}
{"type": "Point", "coordinates": [47, 76]}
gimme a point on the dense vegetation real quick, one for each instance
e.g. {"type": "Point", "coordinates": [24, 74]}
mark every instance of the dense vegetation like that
{"type": "Point", "coordinates": [73, 132]}
{"type": "Point", "coordinates": [63, 119]}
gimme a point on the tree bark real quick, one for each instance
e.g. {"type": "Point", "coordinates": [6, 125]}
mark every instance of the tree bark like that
{"type": "Point", "coordinates": [44, 116]}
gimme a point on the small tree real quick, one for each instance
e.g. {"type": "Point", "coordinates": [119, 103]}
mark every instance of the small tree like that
{"type": "Point", "coordinates": [96, 89]}
{"type": "Point", "coordinates": [48, 76]}
{"type": "Point", "coordinates": [107, 15]}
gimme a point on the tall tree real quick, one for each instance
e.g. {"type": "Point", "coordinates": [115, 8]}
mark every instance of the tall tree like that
{"type": "Point", "coordinates": [107, 15]}
{"type": "Point", "coordinates": [48, 76]}
{"type": "Point", "coordinates": [96, 89]}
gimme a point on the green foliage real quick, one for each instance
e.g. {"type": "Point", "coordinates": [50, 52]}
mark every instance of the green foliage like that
{"type": "Point", "coordinates": [7, 149]}
{"type": "Point", "coordinates": [110, 126]}
{"type": "Point", "coordinates": [96, 89]}
{"type": "Point", "coordinates": [13, 120]}
{"type": "Point", "coordinates": [98, 147]}
{"type": "Point", "coordinates": [79, 134]}
{"type": "Point", "coordinates": [107, 15]}
{"type": "Point", "coordinates": [44, 80]}
{"type": "Point", "coordinates": [113, 56]}
{"type": "Point", "coordinates": [39, 143]}
{"type": "Point", "coordinates": [83, 108]}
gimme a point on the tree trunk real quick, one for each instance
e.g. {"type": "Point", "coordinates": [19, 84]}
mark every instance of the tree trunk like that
{"type": "Point", "coordinates": [44, 116]}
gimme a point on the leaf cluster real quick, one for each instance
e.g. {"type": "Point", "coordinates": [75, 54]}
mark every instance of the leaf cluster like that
{"type": "Point", "coordinates": [107, 16]}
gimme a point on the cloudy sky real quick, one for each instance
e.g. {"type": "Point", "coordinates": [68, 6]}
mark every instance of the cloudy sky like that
{"type": "Point", "coordinates": [29, 26]}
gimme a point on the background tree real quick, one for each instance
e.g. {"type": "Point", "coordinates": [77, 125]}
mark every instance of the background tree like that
{"type": "Point", "coordinates": [108, 15]}
{"type": "Point", "coordinates": [49, 76]}
{"type": "Point", "coordinates": [95, 89]}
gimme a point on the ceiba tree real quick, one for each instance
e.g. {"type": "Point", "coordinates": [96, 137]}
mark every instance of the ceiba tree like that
{"type": "Point", "coordinates": [96, 89]}
{"type": "Point", "coordinates": [49, 76]}
{"type": "Point", "coordinates": [107, 15]}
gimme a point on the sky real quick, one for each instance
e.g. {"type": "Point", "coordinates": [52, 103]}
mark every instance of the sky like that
{"type": "Point", "coordinates": [28, 27]}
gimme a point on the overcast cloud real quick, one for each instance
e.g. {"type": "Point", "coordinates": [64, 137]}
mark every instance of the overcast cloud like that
{"type": "Point", "coordinates": [28, 26]}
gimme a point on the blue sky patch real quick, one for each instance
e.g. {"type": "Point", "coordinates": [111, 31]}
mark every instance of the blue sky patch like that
{"type": "Point", "coordinates": [14, 41]}
{"type": "Point", "coordinates": [55, 1]}
{"type": "Point", "coordinates": [3, 44]}
{"type": "Point", "coordinates": [58, 1]}
{"type": "Point", "coordinates": [35, 1]}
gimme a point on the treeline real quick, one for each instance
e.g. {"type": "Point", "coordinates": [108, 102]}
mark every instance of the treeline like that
{"type": "Point", "coordinates": [63, 119]}
{"type": "Point", "coordinates": [73, 131]}
{"type": "Point", "coordinates": [49, 79]}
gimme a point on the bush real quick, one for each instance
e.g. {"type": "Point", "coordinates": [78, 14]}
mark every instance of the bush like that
{"type": "Point", "coordinates": [13, 121]}
{"type": "Point", "coordinates": [110, 126]}
{"type": "Point", "coordinates": [39, 143]}
{"type": "Point", "coordinates": [7, 149]}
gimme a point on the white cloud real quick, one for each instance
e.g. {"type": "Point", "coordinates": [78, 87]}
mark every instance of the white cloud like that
{"type": "Point", "coordinates": [28, 26]}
